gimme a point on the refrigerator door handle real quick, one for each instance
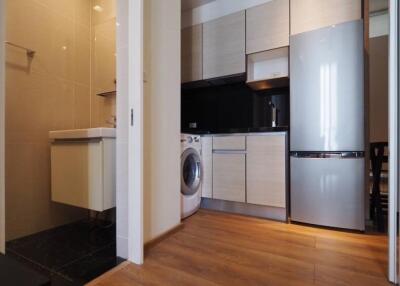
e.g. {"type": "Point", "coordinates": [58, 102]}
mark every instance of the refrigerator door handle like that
{"type": "Point", "coordinates": [327, 155]}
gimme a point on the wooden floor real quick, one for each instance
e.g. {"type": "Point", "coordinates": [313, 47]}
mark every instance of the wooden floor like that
{"type": "Point", "coordinates": [222, 249]}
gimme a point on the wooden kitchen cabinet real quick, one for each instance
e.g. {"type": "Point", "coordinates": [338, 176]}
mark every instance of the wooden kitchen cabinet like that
{"type": "Point", "coordinates": [267, 26]}
{"type": "Point", "coordinates": [229, 176]}
{"type": "Point", "coordinates": [307, 15]}
{"type": "Point", "coordinates": [266, 170]}
{"type": "Point", "coordinates": [224, 46]}
{"type": "Point", "coordinates": [192, 53]}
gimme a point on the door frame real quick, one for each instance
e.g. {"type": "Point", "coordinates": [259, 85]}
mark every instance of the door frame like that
{"type": "Point", "coordinates": [393, 270]}
{"type": "Point", "coordinates": [130, 130]}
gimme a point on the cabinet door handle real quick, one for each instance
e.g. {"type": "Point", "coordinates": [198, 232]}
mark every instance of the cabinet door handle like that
{"type": "Point", "coordinates": [229, 152]}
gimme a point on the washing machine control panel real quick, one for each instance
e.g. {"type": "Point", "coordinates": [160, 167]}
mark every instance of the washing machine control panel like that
{"type": "Point", "coordinates": [190, 140]}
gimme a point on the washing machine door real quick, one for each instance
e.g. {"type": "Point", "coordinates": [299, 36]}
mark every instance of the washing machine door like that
{"type": "Point", "coordinates": [191, 172]}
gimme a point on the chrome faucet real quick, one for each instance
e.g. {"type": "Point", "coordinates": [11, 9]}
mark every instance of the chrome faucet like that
{"type": "Point", "coordinates": [274, 119]}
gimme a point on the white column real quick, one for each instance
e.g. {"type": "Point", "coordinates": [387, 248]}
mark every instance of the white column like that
{"type": "Point", "coordinates": [130, 130]}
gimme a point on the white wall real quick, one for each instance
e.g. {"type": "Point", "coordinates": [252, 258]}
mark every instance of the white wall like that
{"type": "Point", "coordinates": [216, 9]}
{"type": "Point", "coordinates": [379, 25]}
{"type": "Point", "coordinates": [161, 117]}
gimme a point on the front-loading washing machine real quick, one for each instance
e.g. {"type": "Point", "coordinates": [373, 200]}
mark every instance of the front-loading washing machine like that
{"type": "Point", "coordinates": [191, 174]}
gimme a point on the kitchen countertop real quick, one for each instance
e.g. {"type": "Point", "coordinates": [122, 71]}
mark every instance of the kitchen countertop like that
{"type": "Point", "coordinates": [240, 130]}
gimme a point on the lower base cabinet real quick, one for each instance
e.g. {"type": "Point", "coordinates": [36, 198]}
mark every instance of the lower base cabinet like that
{"type": "Point", "coordinates": [229, 176]}
{"type": "Point", "coordinates": [266, 170]}
{"type": "Point", "coordinates": [250, 169]}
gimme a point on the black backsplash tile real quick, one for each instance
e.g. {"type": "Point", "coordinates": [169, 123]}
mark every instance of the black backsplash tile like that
{"type": "Point", "coordinates": [233, 106]}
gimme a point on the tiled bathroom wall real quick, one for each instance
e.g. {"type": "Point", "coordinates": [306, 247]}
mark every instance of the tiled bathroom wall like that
{"type": "Point", "coordinates": [103, 62]}
{"type": "Point", "coordinates": [54, 90]}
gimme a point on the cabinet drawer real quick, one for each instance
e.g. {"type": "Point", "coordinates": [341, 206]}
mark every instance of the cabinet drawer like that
{"type": "Point", "coordinates": [229, 177]}
{"type": "Point", "coordinates": [229, 143]}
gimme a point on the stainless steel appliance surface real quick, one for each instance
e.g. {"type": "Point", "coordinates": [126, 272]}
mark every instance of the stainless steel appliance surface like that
{"type": "Point", "coordinates": [327, 126]}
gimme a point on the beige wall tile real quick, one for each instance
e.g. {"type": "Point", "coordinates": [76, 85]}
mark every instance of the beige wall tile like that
{"type": "Point", "coordinates": [96, 110]}
{"type": "Point", "coordinates": [63, 111]}
{"type": "Point", "coordinates": [83, 10]}
{"type": "Point", "coordinates": [104, 65]}
{"type": "Point", "coordinates": [82, 54]}
{"type": "Point", "coordinates": [103, 61]}
{"type": "Point", "coordinates": [82, 106]}
{"type": "Point", "coordinates": [108, 11]}
{"type": "Point", "coordinates": [63, 49]}
{"type": "Point", "coordinates": [109, 110]}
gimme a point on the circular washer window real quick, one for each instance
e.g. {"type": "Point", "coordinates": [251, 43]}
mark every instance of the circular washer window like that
{"type": "Point", "coordinates": [191, 171]}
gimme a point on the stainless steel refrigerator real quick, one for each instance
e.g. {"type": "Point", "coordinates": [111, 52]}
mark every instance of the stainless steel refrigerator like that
{"type": "Point", "coordinates": [327, 126]}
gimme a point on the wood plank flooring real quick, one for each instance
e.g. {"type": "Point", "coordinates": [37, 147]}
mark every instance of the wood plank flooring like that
{"type": "Point", "coordinates": [224, 249]}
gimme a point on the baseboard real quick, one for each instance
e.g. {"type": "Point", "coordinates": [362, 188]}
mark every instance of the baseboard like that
{"type": "Point", "coordinates": [274, 213]}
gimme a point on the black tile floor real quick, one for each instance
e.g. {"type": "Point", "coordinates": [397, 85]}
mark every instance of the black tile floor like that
{"type": "Point", "coordinates": [73, 254]}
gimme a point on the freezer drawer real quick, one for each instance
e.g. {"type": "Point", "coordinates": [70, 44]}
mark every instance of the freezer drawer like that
{"type": "Point", "coordinates": [328, 192]}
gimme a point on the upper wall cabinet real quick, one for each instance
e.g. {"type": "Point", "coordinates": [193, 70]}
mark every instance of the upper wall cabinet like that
{"type": "Point", "coordinates": [307, 15]}
{"type": "Point", "coordinates": [192, 53]}
{"type": "Point", "coordinates": [224, 46]}
{"type": "Point", "coordinates": [267, 26]}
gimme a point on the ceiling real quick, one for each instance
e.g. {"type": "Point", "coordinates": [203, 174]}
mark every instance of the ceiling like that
{"type": "Point", "coordinates": [378, 5]}
{"type": "Point", "coordinates": [191, 4]}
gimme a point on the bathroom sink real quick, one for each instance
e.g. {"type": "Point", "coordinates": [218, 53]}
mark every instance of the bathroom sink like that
{"type": "Point", "coordinates": [101, 132]}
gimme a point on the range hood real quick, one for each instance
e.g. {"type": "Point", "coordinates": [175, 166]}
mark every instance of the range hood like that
{"type": "Point", "coordinates": [219, 81]}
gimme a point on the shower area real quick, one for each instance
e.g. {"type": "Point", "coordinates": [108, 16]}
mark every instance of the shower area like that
{"type": "Point", "coordinates": [60, 75]}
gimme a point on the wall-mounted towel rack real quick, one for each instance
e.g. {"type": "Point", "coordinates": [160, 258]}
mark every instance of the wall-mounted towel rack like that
{"type": "Point", "coordinates": [30, 53]}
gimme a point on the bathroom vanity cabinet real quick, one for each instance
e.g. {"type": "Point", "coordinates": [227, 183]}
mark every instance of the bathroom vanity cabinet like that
{"type": "Point", "coordinates": [83, 171]}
